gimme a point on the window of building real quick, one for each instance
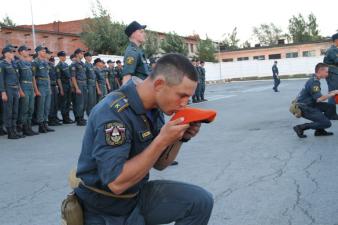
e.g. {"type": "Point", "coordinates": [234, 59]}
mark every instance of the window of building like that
{"type": "Point", "coordinates": [309, 53]}
{"type": "Point", "coordinates": [275, 56]}
{"type": "Point", "coordinates": [242, 58]}
{"type": "Point", "coordinates": [322, 51]}
{"type": "Point", "coordinates": [291, 55]}
{"type": "Point", "coordinates": [259, 57]}
{"type": "Point", "coordinates": [228, 60]}
{"type": "Point", "coordinates": [192, 48]}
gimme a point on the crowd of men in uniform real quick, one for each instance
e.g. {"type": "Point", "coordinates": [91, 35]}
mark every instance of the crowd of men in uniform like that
{"type": "Point", "coordinates": [34, 89]}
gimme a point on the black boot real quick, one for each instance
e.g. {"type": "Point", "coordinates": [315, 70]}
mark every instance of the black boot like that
{"type": "Point", "coordinates": [20, 135]}
{"type": "Point", "coordinates": [322, 132]}
{"type": "Point", "coordinates": [299, 129]}
{"type": "Point", "coordinates": [26, 131]}
{"type": "Point", "coordinates": [47, 128]}
{"type": "Point", "coordinates": [2, 131]}
{"type": "Point", "coordinates": [42, 128]}
{"type": "Point", "coordinates": [32, 131]}
{"type": "Point", "coordinates": [80, 122]}
{"type": "Point", "coordinates": [12, 134]}
{"type": "Point", "coordinates": [19, 128]}
{"type": "Point", "coordinates": [66, 119]}
{"type": "Point", "coordinates": [52, 121]}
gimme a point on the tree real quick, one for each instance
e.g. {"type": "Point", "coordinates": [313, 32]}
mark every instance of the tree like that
{"type": "Point", "coordinates": [267, 34]}
{"type": "Point", "coordinates": [231, 41]}
{"type": "Point", "coordinates": [102, 35]}
{"type": "Point", "coordinates": [173, 43]}
{"type": "Point", "coordinates": [152, 44]}
{"type": "Point", "coordinates": [301, 30]}
{"type": "Point", "coordinates": [6, 21]}
{"type": "Point", "coordinates": [206, 50]}
{"type": "Point", "coordinates": [246, 44]}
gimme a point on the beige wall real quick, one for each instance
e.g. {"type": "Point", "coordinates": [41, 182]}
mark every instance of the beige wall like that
{"type": "Point", "coordinates": [318, 49]}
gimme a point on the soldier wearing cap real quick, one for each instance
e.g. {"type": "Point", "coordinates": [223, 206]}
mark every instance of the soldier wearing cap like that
{"type": "Point", "coordinates": [126, 137]}
{"type": "Point", "coordinates": [9, 88]}
{"type": "Point", "coordinates": [42, 88]}
{"type": "Point", "coordinates": [112, 76]}
{"type": "Point", "coordinates": [79, 81]}
{"type": "Point", "coordinates": [135, 62]}
{"type": "Point", "coordinates": [331, 58]}
{"type": "Point", "coordinates": [101, 78]}
{"type": "Point", "coordinates": [275, 76]}
{"type": "Point", "coordinates": [91, 82]}
{"type": "Point", "coordinates": [27, 100]}
{"type": "Point", "coordinates": [63, 73]}
{"type": "Point", "coordinates": [55, 83]}
{"type": "Point", "coordinates": [118, 71]}
{"type": "Point", "coordinates": [196, 96]}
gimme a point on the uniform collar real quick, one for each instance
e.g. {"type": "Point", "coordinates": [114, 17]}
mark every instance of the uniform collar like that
{"type": "Point", "coordinates": [133, 44]}
{"type": "Point", "coordinates": [135, 102]}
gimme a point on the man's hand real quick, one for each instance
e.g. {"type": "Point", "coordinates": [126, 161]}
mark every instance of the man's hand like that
{"type": "Point", "coordinates": [21, 94]}
{"type": "Point", "coordinates": [333, 93]}
{"type": "Point", "coordinates": [78, 91]}
{"type": "Point", "coordinates": [4, 97]}
{"type": "Point", "coordinates": [172, 131]}
{"type": "Point", "coordinates": [192, 131]}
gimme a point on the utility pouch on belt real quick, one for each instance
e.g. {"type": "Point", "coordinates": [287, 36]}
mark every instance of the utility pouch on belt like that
{"type": "Point", "coordinates": [71, 209]}
{"type": "Point", "coordinates": [295, 110]}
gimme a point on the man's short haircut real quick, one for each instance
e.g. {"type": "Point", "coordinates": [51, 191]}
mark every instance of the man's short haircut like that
{"type": "Point", "coordinates": [174, 67]}
{"type": "Point", "coordinates": [319, 66]}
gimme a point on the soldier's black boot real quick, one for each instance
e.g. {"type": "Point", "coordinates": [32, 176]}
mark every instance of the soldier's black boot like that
{"type": "Point", "coordinates": [19, 128]}
{"type": "Point", "coordinates": [2, 131]}
{"type": "Point", "coordinates": [26, 131]}
{"type": "Point", "coordinates": [322, 132]}
{"type": "Point", "coordinates": [299, 129]}
{"type": "Point", "coordinates": [20, 135]}
{"type": "Point", "coordinates": [32, 131]}
{"type": "Point", "coordinates": [80, 122]}
{"type": "Point", "coordinates": [47, 128]}
{"type": "Point", "coordinates": [12, 134]}
{"type": "Point", "coordinates": [42, 128]}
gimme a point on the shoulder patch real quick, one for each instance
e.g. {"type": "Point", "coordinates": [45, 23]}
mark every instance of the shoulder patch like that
{"type": "Point", "coordinates": [315, 88]}
{"type": "Point", "coordinates": [115, 133]}
{"type": "Point", "coordinates": [130, 60]}
{"type": "Point", "coordinates": [120, 104]}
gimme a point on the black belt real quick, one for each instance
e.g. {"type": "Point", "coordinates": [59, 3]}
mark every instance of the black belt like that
{"type": "Point", "coordinates": [42, 78]}
{"type": "Point", "coordinates": [26, 82]}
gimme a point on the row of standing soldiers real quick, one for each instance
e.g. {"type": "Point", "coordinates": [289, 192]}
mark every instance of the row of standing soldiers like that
{"type": "Point", "coordinates": [199, 93]}
{"type": "Point", "coordinates": [34, 90]}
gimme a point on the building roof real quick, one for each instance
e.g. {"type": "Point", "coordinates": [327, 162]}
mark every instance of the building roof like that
{"type": "Point", "coordinates": [29, 29]}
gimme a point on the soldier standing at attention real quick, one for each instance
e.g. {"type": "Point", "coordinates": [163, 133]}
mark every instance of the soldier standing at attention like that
{"type": "Point", "coordinates": [79, 81]}
{"type": "Point", "coordinates": [42, 89]}
{"type": "Point", "coordinates": [135, 62]}
{"type": "Point", "coordinates": [331, 58]}
{"type": "Point", "coordinates": [63, 73]}
{"type": "Point", "coordinates": [54, 84]}
{"type": "Point", "coordinates": [26, 103]}
{"type": "Point", "coordinates": [275, 75]}
{"type": "Point", "coordinates": [202, 85]}
{"type": "Point", "coordinates": [118, 71]}
{"type": "Point", "coordinates": [91, 83]}
{"type": "Point", "coordinates": [10, 88]}
{"type": "Point", "coordinates": [100, 72]}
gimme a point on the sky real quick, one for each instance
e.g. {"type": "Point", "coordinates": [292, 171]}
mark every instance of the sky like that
{"type": "Point", "coordinates": [213, 18]}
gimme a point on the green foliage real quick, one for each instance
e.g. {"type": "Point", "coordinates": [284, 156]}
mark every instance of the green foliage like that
{"type": "Point", "coordinates": [152, 44]}
{"type": "Point", "coordinates": [102, 35]}
{"type": "Point", "coordinates": [174, 44]}
{"type": "Point", "coordinates": [231, 41]}
{"type": "Point", "coordinates": [6, 21]}
{"type": "Point", "coordinates": [267, 34]}
{"type": "Point", "coordinates": [206, 50]}
{"type": "Point", "coordinates": [302, 30]}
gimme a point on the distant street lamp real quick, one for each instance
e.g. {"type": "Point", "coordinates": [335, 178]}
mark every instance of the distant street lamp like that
{"type": "Point", "coordinates": [33, 29]}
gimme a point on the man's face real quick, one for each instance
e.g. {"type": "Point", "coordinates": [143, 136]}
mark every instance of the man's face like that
{"type": "Point", "coordinates": [88, 59]}
{"type": "Point", "coordinates": [62, 58]}
{"type": "Point", "coordinates": [42, 54]}
{"type": "Point", "coordinates": [24, 53]}
{"type": "Point", "coordinates": [80, 55]}
{"type": "Point", "coordinates": [336, 42]}
{"type": "Point", "coordinates": [111, 65]}
{"type": "Point", "coordinates": [172, 98]}
{"type": "Point", "coordinates": [193, 63]}
{"type": "Point", "coordinates": [323, 72]}
{"type": "Point", "coordinates": [119, 65]}
{"type": "Point", "coordinates": [202, 64]}
{"type": "Point", "coordinates": [9, 55]}
{"type": "Point", "coordinates": [140, 35]}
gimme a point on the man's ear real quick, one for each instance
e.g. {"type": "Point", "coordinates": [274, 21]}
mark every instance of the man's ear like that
{"type": "Point", "coordinates": [159, 83]}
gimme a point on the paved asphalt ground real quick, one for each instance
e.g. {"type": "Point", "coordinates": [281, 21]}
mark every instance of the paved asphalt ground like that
{"type": "Point", "coordinates": [259, 172]}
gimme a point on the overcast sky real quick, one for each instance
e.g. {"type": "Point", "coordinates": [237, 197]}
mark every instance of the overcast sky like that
{"type": "Point", "coordinates": [211, 17]}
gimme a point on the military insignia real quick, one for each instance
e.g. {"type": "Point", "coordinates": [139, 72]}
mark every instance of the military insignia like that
{"type": "Point", "coordinates": [316, 88]}
{"type": "Point", "coordinates": [34, 68]}
{"type": "Point", "coordinates": [145, 135]}
{"type": "Point", "coordinates": [115, 133]}
{"type": "Point", "coordinates": [130, 60]}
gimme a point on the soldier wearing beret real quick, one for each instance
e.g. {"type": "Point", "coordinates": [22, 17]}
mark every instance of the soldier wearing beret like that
{"type": "Point", "coordinates": [331, 58]}
{"type": "Point", "coordinates": [135, 62]}
{"type": "Point", "coordinates": [91, 82]}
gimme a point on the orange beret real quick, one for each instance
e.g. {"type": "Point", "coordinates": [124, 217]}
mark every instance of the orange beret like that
{"type": "Point", "coordinates": [336, 98]}
{"type": "Point", "coordinates": [191, 115]}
